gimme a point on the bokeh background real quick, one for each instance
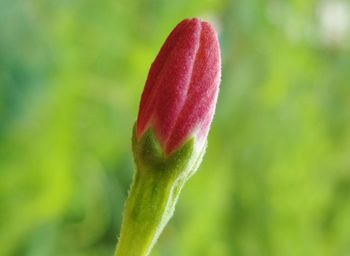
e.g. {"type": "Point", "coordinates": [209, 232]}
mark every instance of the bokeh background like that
{"type": "Point", "coordinates": [276, 176]}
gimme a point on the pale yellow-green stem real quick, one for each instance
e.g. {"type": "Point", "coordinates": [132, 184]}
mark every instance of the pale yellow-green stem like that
{"type": "Point", "coordinates": [154, 192]}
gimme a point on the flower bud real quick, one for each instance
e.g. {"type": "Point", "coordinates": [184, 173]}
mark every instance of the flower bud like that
{"type": "Point", "coordinates": [170, 134]}
{"type": "Point", "coordinates": [179, 98]}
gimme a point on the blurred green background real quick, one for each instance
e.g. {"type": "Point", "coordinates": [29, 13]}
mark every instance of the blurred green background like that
{"type": "Point", "coordinates": [276, 176]}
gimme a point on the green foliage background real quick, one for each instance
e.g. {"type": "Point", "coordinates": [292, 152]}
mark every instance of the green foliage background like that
{"type": "Point", "coordinates": [276, 176]}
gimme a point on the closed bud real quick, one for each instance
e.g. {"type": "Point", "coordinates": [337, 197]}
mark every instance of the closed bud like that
{"type": "Point", "coordinates": [179, 98]}
{"type": "Point", "coordinates": [170, 134]}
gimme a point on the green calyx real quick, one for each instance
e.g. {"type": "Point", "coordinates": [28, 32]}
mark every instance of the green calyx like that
{"type": "Point", "coordinates": [153, 195]}
{"type": "Point", "coordinates": [148, 154]}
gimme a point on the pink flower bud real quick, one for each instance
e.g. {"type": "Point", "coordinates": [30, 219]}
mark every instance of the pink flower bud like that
{"type": "Point", "coordinates": [179, 98]}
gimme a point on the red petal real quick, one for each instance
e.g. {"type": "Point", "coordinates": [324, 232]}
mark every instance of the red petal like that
{"type": "Point", "coordinates": [199, 108]}
{"type": "Point", "coordinates": [182, 86]}
{"type": "Point", "coordinates": [151, 87]}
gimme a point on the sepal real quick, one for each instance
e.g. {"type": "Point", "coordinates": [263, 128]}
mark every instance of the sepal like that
{"type": "Point", "coordinates": [149, 156]}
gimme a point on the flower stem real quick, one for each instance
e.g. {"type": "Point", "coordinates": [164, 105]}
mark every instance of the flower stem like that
{"type": "Point", "coordinates": [149, 207]}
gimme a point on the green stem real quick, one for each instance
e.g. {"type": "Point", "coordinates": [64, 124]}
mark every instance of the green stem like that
{"type": "Point", "coordinates": [154, 192]}
{"type": "Point", "coordinates": [149, 207]}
